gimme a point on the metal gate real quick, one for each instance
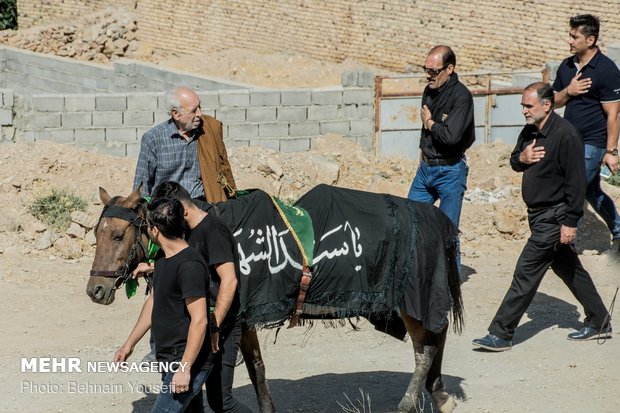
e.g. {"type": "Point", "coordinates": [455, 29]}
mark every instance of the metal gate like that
{"type": "Point", "coordinates": [497, 109]}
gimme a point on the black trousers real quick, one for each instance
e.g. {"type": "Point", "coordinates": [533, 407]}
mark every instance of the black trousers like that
{"type": "Point", "coordinates": [220, 381]}
{"type": "Point", "coordinates": [542, 250]}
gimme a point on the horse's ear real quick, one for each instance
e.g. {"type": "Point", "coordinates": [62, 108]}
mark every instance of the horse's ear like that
{"type": "Point", "coordinates": [104, 196]}
{"type": "Point", "coordinates": [134, 199]}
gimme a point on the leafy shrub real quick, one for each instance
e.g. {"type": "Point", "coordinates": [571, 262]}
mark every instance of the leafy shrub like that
{"type": "Point", "coordinates": [55, 209]}
{"type": "Point", "coordinates": [8, 14]}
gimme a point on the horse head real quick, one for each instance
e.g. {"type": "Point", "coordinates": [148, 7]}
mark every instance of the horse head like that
{"type": "Point", "coordinates": [121, 244]}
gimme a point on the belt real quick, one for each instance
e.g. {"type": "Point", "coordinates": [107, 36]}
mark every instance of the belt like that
{"type": "Point", "coordinates": [442, 162]}
{"type": "Point", "coordinates": [543, 208]}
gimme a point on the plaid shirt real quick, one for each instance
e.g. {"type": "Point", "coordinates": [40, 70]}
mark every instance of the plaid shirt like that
{"type": "Point", "coordinates": [166, 156]}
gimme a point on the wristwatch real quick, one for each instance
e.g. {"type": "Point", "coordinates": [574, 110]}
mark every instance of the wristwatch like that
{"type": "Point", "coordinates": [613, 152]}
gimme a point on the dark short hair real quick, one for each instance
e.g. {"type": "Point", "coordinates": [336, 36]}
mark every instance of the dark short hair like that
{"type": "Point", "coordinates": [544, 91]}
{"type": "Point", "coordinates": [587, 24]}
{"type": "Point", "coordinates": [447, 54]}
{"type": "Point", "coordinates": [167, 214]}
{"type": "Point", "coordinates": [174, 190]}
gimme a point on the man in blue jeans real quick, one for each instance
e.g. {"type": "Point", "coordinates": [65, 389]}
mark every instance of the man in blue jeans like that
{"type": "Point", "coordinates": [588, 84]}
{"type": "Point", "coordinates": [447, 116]}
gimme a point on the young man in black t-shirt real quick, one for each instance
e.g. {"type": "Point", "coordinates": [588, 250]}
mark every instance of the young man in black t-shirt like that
{"type": "Point", "coordinates": [176, 311]}
{"type": "Point", "coordinates": [214, 240]}
{"type": "Point", "coordinates": [588, 85]}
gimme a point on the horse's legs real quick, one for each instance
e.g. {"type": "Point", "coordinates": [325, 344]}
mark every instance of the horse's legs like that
{"type": "Point", "coordinates": [445, 403]}
{"type": "Point", "coordinates": [256, 369]}
{"type": "Point", "coordinates": [427, 354]}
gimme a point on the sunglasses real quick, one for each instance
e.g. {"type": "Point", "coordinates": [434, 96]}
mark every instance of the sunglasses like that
{"type": "Point", "coordinates": [433, 72]}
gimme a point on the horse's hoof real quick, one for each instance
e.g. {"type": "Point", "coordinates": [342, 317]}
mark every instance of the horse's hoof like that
{"type": "Point", "coordinates": [406, 406]}
{"type": "Point", "coordinates": [448, 406]}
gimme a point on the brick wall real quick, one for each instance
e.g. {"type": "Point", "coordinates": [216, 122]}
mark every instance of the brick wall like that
{"type": "Point", "coordinates": [38, 12]}
{"type": "Point", "coordinates": [485, 34]}
{"type": "Point", "coordinates": [389, 33]}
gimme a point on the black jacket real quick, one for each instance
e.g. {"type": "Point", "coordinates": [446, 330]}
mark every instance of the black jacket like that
{"type": "Point", "coordinates": [560, 176]}
{"type": "Point", "coordinates": [452, 109]}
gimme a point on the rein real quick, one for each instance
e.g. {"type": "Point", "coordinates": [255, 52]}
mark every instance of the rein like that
{"type": "Point", "coordinates": [129, 215]}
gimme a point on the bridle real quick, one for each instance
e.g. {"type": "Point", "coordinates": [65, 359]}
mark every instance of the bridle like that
{"type": "Point", "coordinates": [126, 214]}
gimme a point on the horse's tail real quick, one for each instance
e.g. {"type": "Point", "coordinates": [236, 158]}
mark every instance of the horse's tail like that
{"type": "Point", "coordinates": [454, 283]}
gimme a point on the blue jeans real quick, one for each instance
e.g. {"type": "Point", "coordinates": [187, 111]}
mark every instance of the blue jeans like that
{"type": "Point", "coordinates": [189, 401]}
{"type": "Point", "coordinates": [600, 201]}
{"type": "Point", "coordinates": [446, 183]}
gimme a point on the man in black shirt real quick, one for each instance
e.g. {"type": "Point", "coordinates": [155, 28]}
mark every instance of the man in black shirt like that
{"type": "Point", "coordinates": [549, 152]}
{"type": "Point", "coordinates": [214, 241]}
{"type": "Point", "coordinates": [448, 130]}
{"type": "Point", "coordinates": [176, 311]}
{"type": "Point", "coordinates": [588, 84]}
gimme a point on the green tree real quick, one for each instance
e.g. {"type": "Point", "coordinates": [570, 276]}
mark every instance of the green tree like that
{"type": "Point", "coordinates": [8, 14]}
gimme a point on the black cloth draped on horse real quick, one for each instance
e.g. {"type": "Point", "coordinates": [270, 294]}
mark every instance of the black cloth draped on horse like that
{"type": "Point", "coordinates": [373, 254]}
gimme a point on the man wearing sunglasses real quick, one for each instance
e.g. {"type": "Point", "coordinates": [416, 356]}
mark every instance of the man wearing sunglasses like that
{"type": "Point", "coordinates": [447, 117]}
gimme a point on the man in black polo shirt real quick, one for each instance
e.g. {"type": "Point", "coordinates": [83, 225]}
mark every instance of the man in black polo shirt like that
{"type": "Point", "coordinates": [588, 84]}
{"type": "Point", "coordinates": [176, 311]}
{"type": "Point", "coordinates": [447, 117]}
{"type": "Point", "coordinates": [549, 152]}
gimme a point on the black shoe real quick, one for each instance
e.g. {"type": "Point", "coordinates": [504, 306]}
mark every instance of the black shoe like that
{"type": "Point", "coordinates": [590, 333]}
{"type": "Point", "coordinates": [492, 343]}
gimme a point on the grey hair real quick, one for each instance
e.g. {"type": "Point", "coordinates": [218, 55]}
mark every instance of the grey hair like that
{"type": "Point", "coordinates": [172, 101]}
{"type": "Point", "coordinates": [544, 92]}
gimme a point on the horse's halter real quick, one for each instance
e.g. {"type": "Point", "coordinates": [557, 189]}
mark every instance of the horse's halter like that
{"type": "Point", "coordinates": [129, 215]}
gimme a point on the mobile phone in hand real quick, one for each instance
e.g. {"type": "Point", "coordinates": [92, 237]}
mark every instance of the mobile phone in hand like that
{"type": "Point", "coordinates": [605, 172]}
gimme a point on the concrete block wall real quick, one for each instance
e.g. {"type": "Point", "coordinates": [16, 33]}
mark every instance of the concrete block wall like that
{"type": "Point", "coordinates": [284, 120]}
{"type": "Point", "coordinates": [6, 114]}
{"type": "Point", "coordinates": [29, 72]}
{"type": "Point", "coordinates": [140, 76]}
{"type": "Point", "coordinates": [109, 108]}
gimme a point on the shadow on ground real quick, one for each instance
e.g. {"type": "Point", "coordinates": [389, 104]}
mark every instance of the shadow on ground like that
{"type": "Point", "coordinates": [544, 312]}
{"type": "Point", "coordinates": [322, 393]}
{"type": "Point", "coordinates": [466, 272]}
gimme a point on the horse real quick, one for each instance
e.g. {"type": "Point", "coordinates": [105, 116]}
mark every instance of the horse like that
{"type": "Point", "coordinates": [388, 259]}
{"type": "Point", "coordinates": [121, 244]}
